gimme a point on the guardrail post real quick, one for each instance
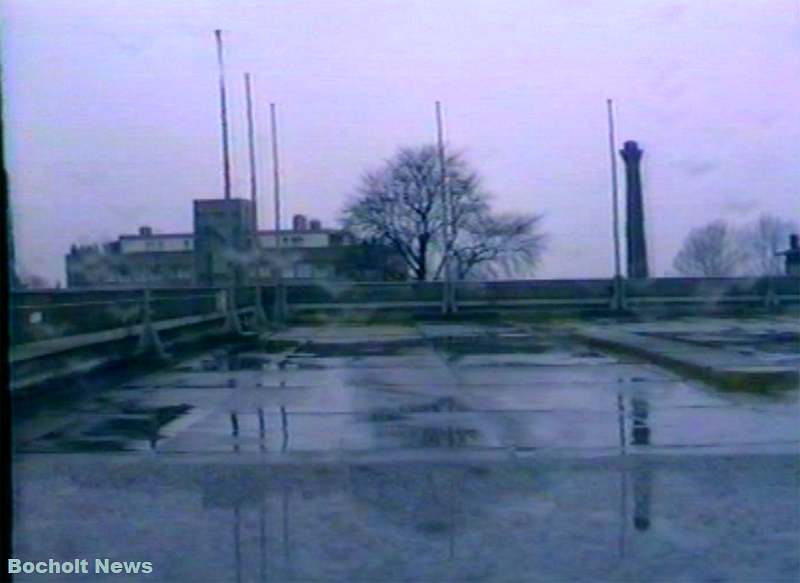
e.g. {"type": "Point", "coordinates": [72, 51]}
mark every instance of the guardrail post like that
{"type": "Point", "coordinates": [280, 309]}
{"type": "Point", "coordinates": [232, 323]}
{"type": "Point", "coordinates": [771, 299]}
{"type": "Point", "coordinates": [261, 316]}
{"type": "Point", "coordinates": [149, 340]}
{"type": "Point", "coordinates": [619, 300]}
{"type": "Point", "coordinates": [448, 298]}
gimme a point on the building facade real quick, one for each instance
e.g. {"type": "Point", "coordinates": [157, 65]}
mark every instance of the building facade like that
{"type": "Point", "coordinates": [222, 250]}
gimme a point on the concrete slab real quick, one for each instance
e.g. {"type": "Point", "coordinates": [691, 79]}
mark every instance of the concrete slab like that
{"type": "Point", "coordinates": [516, 454]}
{"type": "Point", "coordinates": [743, 372]}
{"type": "Point", "coordinates": [641, 519]}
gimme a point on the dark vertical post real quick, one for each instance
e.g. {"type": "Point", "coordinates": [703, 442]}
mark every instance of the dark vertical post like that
{"type": "Point", "coordinates": [224, 117]}
{"type": "Point", "coordinates": [237, 540]}
{"type": "Point", "coordinates": [13, 281]}
{"type": "Point", "coordinates": [792, 256]}
{"type": "Point", "coordinates": [262, 540]}
{"type": "Point", "coordinates": [285, 428]}
{"type": "Point", "coordinates": [621, 421]}
{"type": "Point", "coordinates": [262, 426]}
{"type": "Point", "coordinates": [262, 430]}
{"type": "Point", "coordinates": [287, 557]}
{"type": "Point", "coordinates": [8, 284]}
{"type": "Point", "coordinates": [637, 250]}
{"type": "Point", "coordinates": [623, 510]}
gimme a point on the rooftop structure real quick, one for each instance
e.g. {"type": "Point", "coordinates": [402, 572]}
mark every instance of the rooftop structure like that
{"type": "Point", "coordinates": [792, 255]}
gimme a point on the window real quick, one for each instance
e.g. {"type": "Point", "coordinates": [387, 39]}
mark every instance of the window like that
{"type": "Point", "coordinates": [305, 270]}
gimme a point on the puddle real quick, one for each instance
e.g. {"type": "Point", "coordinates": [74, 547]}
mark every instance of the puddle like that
{"type": "Point", "coordinates": [445, 404]}
{"type": "Point", "coordinates": [141, 424]}
{"type": "Point", "coordinates": [272, 346]}
{"type": "Point", "coordinates": [490, 344]}
{"type": "Point", "coordinates": [129, 428]}
{"type": "Point", "coordinates": [589, 354]}
{"type": "Point", "coordinates": [412, 436]}
{"type": "Point", "coordinates": [361, 349]}
{"type": "Point", "coordinates": [230, 362]}
{"type": "Point", "coordinates": [263, 355]}
{"type": "Point", "coordinates": [302, 357]}
{"type": "Point", "coordinates": [774, 342]}
{"type": "Point", "coordinates": [397, 425]}
{"type": "Point", "coordinates": [87, 445]}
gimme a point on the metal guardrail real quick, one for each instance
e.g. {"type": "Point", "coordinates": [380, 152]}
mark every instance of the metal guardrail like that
{"type": "Point", "coordinates": [39, 316]}
{"type": "Point", "coordinates": [73, 326]}
{"type": "Point", "coordinates": [56, 333]}
{"type": "Point", "coordinates": [624, 295]}
{"type": "Point", "coordinates": [63, 333]}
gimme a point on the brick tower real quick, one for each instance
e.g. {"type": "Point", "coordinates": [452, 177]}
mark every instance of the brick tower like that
{"type": "Point", "coordinates": [634, 216]}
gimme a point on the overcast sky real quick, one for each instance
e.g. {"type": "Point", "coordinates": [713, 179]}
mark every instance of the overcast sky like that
{"type": "Point", "coordinates": [111, 116]}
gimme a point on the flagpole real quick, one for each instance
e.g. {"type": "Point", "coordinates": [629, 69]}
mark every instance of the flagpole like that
{"type": "Point", "coordinates": [223, 116]}
{"type": "Point", "coordinates": [256, 245]}
{"type": "Point", "coordinates": [614, 187]}
{"type": "Point", "coordinates": [280, 291]}
{"type": "Point", "coordinates": [448, 303]}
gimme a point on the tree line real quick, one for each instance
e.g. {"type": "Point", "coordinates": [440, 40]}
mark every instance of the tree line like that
{"type": "Point", "coordinates": [719, 249]}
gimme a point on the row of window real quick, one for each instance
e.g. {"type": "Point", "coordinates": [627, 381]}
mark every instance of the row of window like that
{"type": "Point", "coordinates": [300, 271]}
{"type": "Point", "coordinates": [158, 245]}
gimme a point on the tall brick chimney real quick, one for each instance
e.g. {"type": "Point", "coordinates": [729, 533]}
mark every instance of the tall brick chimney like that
{"type": "Point", "coordinates": [634, 216]}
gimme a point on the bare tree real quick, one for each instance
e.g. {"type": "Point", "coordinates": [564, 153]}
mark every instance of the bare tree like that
{"type": "Point", "coordinates": [710, 251]}
{"type": "Point", "coordinates": [491, 246]}
{"type": "Point", "coordinates": [401, 205]}
{"type": "Point", "coordinates": [760, 242]}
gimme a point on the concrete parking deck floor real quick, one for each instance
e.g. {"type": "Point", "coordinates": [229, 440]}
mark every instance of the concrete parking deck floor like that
{"type": "Point", "coordinates": [430, 452]}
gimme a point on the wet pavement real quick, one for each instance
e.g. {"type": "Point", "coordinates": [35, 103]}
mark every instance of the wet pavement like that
{"type": "Point", "coordinates": [429, 452]}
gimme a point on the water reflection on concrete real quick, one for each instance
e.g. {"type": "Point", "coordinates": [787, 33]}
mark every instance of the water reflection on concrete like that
{"type": "Point", "coordinates": [633, 415]}
{"type": "Point", "coordinates": [640, 432]}
{"type": "Point", "coordinates": [421, 521]}
{"type": "Point", "coordinates": [128, 426]}
{"type": "Point", "coordinates": [516, 455]}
